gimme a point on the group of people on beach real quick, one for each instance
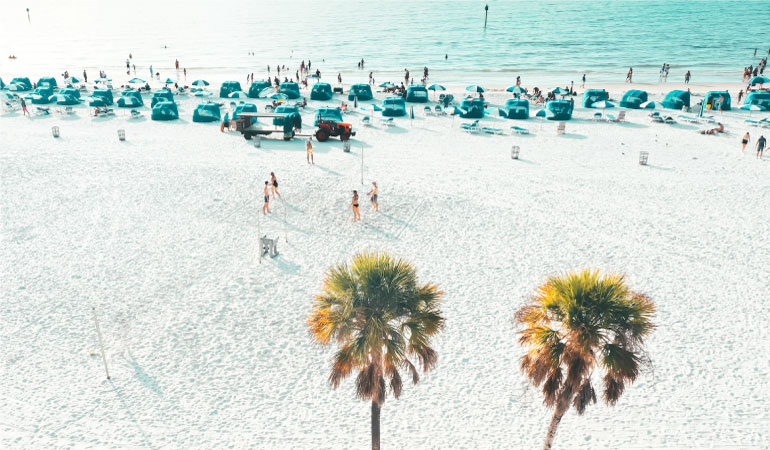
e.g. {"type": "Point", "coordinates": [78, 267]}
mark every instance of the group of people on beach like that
{"type": "Point", "coordinates": [373, 199]}
{"type": "Point", "coordinates": [760, 146]}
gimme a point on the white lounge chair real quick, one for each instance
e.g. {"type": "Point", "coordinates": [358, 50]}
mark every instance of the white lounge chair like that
{"type": "Point", "coordinates": [490, 130]}
{"type": "Point", "coordinates": [135, 114]}
{"type": "Point", "coordinates": [8, 106]}
{"type": "Point", "coordinates": [470, 127]}
{"type": "Point", "coordinates": [690, 119]}
{"type": "Point", "coordinates": [428, 111]}
{"type": "Point", "coordinates": [439, 110]}
{"type": "Point", "coordinates": [387, 122]}
{"type": "Point", "coordinates": [562, 128]}
{"type": "Point", "coordinates": [519, 130]}
{"type": "Point", "coordinates": [655, 117]}
{"type": "Point", "coordinates": [597, 117]}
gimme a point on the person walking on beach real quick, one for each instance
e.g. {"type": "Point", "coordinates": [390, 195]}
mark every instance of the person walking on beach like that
{"type": "Point", "coordinates": [274, 187]}
{"type": "Point", "coordinates": [176, 64]}
{"type": "Point", "coordinates": [354, 205]}
{"type": "Point", "coordinates": [225, 123]}
{"type": "Point", "coordinates": [687, 77]}
{"type": "Point", "coordinates": [584, 81]}
{"type": "Point", "coordinates": [744, 141]}
{"type": "Point", "coordinates": [629, 76]}
{"type": "Point", "coordinates": [266, 206]}
{"type": "Point", "coordinates": [740, 96]}
{"type": "Point", "coordinates": [339, 78]}
{"type": "Point", "coordinates": [761, 146]}
{"type": "Point", "coordinates": [85, 76]}
{"type": "Point", "coordinates": [373, 193]}
{"type": "Point", "coordinates": [309, 148]}
{"type": "Point", "coordinates": [518, 80]}
{"type": "Point", "coordinates": [183, 70]}
{"type": "Point", "coordinates": [24, 107]}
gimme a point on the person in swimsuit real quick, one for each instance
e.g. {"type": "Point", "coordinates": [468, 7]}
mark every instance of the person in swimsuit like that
{"type": "Point", "coordinates": [266, 206]}
{"type": "Point", "coordinates": [354, 205]}
{"type": "Point", "coordinates": [630, 75]}
{"type": "Point", "coordinates": [309, 147]}
{"type": "Point", "coordinates": [744, 141]}
{"type": "Point", "coordinates": [374, 192]}
{"type": "Point", "coordinates": [761, 146]}
{"type": "Point", "coordinates": [274, 188]}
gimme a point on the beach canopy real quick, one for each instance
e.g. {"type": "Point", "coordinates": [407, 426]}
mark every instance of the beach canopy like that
{"type": "Point", "coordinates": [756, 80]}
{"type": "Point", "coordinates": [676, 99]}
{"type": "Point", "coordinates": [41, 95]}
{"type": "Point", "coordinates": [64, 99]}
{"type": "Point", "coordinates": [161, 95]}
{"type": "Point", "coordinates": [288, 112]}
{"type": "Point", "coordinates": [393, 107]}
{"type": "Point", "coordinates": [50, 81]}
{"type": "Point", "coordinates": [73, 80]}
{"type": "Point", "coordinates": [559, 91]}
{"type": "Point", "coordinates": [559, 110]}
{"type": "Point", "coordinates": [473, 108]}
{"type": "Point", "coordinates": [206, 112]}
{"type": "Point", "coordinates": [360, 90]}
{"type": "Point", "coordinates": [200, 83]}
{"type": "Point", "coordinates": [136, 80]}
{"type": "Point", "coordinates": [327, 114]}
{"type": "Point", "coordinates": [515, 108]}
{"type": "Point", "coordinates": [96, 101]}
{"type": "Point", "coordinates": [228, 87]}
{"type": "Point", "coordinates": [321, 91]}
{"type": "Point", "coordinates": [290, 90]}
{"type": "Point", "coordinates": [719, 100]}
{"type": "Point", "coordinates": [436, 87]}
{"type": "Point", "coordinates": [165, 111]}
{"type": "Point", "coordinates": [238, 94]}
{"type": "Point", "coordinates": [633, 99]}
{"type": "Point", "coordinates": [758, 99]}
{"type": "Point", "coordinates": [106, 94]}
{"type": "Point", "coordinates": [257, 87]}
{"type": "Point", "coordinates": [22, 82]}
{"type": "Point", "coordinates": [244, 107]}
{"type": "Point", "coordinates": [71, 91]}
{"type": "Point", "coordinates": [130, 98]}
{"type": "Point", "coordinates": [416, 93]}
{"type": "Point", "coordinates": [474, 88]}
{"type": "Point", "coordinates": [593, 96]}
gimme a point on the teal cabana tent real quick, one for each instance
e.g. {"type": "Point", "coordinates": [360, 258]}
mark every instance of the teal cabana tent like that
{"type": "Point", "coordinates": [64, 99]}
{"type": "Point", "coordinates": [559, 110]}
{"type": "Point", "coordinates": [361, 91]}
{"type": "Point", "coordinates": [761, 99]}
{"type": "Point", "coordinates": [70, 91]}
{"type": "Point", "coordinates": [49, 81]}
{"type": "Point", "coordinates": [327, 113]}
{"type": "Point", "coordinates": [286, 110]}
{"type": "Point", "coordinates": [130, 99]}
{"type": "Point", "coordinates": [321, 91]}
{"type": "Point", "coordinates": [104, 94]}
{"type": "Point", "coordinates": [23, 83]}
{"type": "Point", "coordinates": [592, 96]}
{"type": "Point", "coordinates": [393, 107]}
{"type": "Point", "coordinates": [290, 90]}
{"type": "Point", "coordinates": [162, 95]}
{"type": "Point", "coordinates": [41, 95]}
{"type": "Point", "coordinates": [257, 87]}
{"type": "Point", "coordinates": [244, 107]}
{"type": "Point", "coordinates": [228, 87]}
{"type": "Point", "coordinates": [206, 112]}
{"type": "Point", "coordinates": [719, 100]}
{"type": "Point", "coordinates": [676, 100]}
{"type": "Point", "coordinates": [633, 99]}
{"type": "Point", "coordinates": [165, 111]}
{"type": "Point", "coordinates": [515, 108]}
{"type": "Point", "coordinates": [417, 93]}
{"type": "Point", "coordinates": [2, 85]}
{"type": "Point", "coordinates": [472, 108]}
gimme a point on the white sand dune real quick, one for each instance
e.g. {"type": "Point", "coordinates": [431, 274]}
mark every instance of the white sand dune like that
{"type": "Point", "coordinates": [208, 348]}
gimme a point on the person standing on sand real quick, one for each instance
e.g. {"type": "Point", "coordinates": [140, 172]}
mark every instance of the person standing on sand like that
{"type": "Point", "coordinates": [266, 206]}
{"type": "Point", "coordinates": [687, 77]}
{"type": "Point", "coordinates": [24, 107]}
{"type": "Point", "coordinates": [183, 70]}
{"type": "Point", "coordinates": [274, 188]}
{"type": "Point", "coordinates": [85, 76]}
{"type": "Point", "coordinates": [354, 205]}
{"type": "Point", "coordinates": [744, 141]}
{"type": "Point", "coordinates": [225, 123]}
{"type": "Point", "coordinates": [584, 81]}
{"type": "Point", "coordinates": [740, 96]}
{"type": "Point", "coordinates": [629, 76]}
{"type": "Point", "coordinates": [374, 193]}
{"type": "Point", "coordinates": [339, 77]}
{"type": "Point", "coordinates": [309, 148]}
{"type": "Point", "coordinates": [761, 146]}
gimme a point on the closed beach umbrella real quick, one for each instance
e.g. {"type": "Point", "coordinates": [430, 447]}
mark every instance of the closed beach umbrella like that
{"type": "Point", "coordinates": [759, 80]}
{"type": "Point", "coordinates": [411, 112]}
{"type": "Point", "coordinates": [475, 88]}
{"type": "Point", "coordinates": [200, 83]}
{"type": "Point", "coordinates": [355, 102]}
{"type": "Point", "coordinates": [136, 80]}
{"type": "Point", "coordinates": [238, 94]}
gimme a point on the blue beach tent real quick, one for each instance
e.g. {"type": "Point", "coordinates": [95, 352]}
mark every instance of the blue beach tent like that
{"type": "Point", "coordinates": [286, 110]}
{"type": "Point", "coordinates": [417, 93]}
{"type": "Point", "coordinates": [50, 81]}
{"type": "Point", "coordinates": [64, 99]}
{"type": "Point", "coordinates": [165, 111]}
{"type": "Point", "coordinates": [393, 107]}
{"type": "Point", "coordinates": [257, 87]}
{"type": "Point", "coordinates": [559, 110]}
{"type": "Point", "coordinates": [360, 90]}
{"type": "Point", "coordinates": [206, 112]}
{"type": "Point", "coordinates": [23, 83]}
{"type": "Point", "coordinates": [515, 108]}
{"type": "Point", "coordinates": [321, 91]}
{"type": "Point", "coordinates": [676, 100]}
{"type": "Point", "coordinates": [104, 94]}
{"type": "Point", "coordinates": [719, 100]}
{"type": "Point", "coordinates": [592, 96]}
{"type": "Point", "coordinates": [761, 99]}
{"type": "Point", "coordinates": [41, 95]}
{"type": "Point", "coordinates": [244, 107]}
{"type": "Point", "coordinates": [290, 90]}
{"type": "Point", "coordinates": [162, 95]}
{"type": "Point", "coordinates": [70, 91]}
{"type": "Point", "coordinates": [130, 99]}
{"type": "Point", "coordinates": [327, 113]}
{"type": "Point", "coordinates": [229, 87]}
{"type": "Point", "coordinates": [633, 99]}
{"type": "Point", "coordinates": [472, 108]}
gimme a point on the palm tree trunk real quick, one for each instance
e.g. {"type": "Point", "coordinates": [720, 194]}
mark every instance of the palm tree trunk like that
{"type": "Point", "coordinates": [375, 426]}
{"type": "Point", "coordinates": [561, 407]}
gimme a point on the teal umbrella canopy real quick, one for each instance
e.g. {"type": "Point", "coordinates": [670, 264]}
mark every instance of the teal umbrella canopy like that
{"type": "Point", "coordinates": [759, 80]}
{"type": "Point", "coordinates": [436, 87]}
{"type": "Point", "coordinates": [200, 83]}
{"type": "Point", "coordinates": [475, 88]}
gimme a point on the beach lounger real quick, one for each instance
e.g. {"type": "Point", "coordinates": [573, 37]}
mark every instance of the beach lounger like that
{"type": "Point", "coordinates": [41, 111]}
{"type": "Point", "coordinates": [669, 119]}
{"type": "Point", "coordinates": [490, 130]}
{"type": "Point", "coordinates": [387, 122]}
{"type": "Point", "coordinates": [597, 117]}
{"type": "Point", "coordinates": [366, 120]}
{"type": "Point", "coordinates": [8, 106]}
{"type": "Point", "coordinates": [562, 128]}
{"type": "Point", "coordinates": [439, 110]}
{"type": "Point", "coordinates": [655, 117]}
{"type": "Point", "coordinates": [135, 114]}
{"type": "Point", "coordinates": [470, 127]}
{"type": "Point", "coordinates": [690, 119]}
{"type": "Point", "coordinates": [428, 111]}
{"type": "Point", "coordinates": [519, 130]}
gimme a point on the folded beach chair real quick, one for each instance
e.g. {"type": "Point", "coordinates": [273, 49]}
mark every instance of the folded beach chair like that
{"type": "Point", "coordinates": [470, 127]}
{"type": "Point", "coordinates": [366, 120]}
{"type": "Point", "coordinates": [597, 117]}
{"type": "Point", "coordinates": [439, 110]}
{"type": "Point", "coordinates": [135, 114]}
{"type": "Point", "coordinates": [490, 130]}
{"type": "Point", "coordinates": [41, 111]}
{"type": "Point", "coordinates": [519, 130]}
{"type": "Point", "coordinates": [387, 122]}
{"type": "Point", "coordinates": [428, 111]}
{"type": "Point", "coordinates": [669, 119]}
{"type": "Point", "coordinates": [8, 106]}
{"type": "Point", "coordinates": [655, 117]}
{"type": "Point", "coordinates": [562, 128]}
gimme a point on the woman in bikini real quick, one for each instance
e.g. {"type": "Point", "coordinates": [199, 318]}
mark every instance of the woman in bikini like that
{"type": "Point", "coordinates": [274, 188]}
{"type": "Point", "coordinates": [354, 205]}
{"type": "Point", "coordinates": [266, 206]}
{"type": "Point", "coordinates": [374, 192]}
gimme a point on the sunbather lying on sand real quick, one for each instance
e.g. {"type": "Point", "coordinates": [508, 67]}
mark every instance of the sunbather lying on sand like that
{"type": "Point", "coordinates": [718, 129]}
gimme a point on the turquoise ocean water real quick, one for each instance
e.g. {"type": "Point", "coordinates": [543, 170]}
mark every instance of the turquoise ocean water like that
{"type": "Point", "coordinates": [541, 41]}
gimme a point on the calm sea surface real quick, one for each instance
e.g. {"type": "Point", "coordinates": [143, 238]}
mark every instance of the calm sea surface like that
{"type": "Point", "coordinates": [541, 41]}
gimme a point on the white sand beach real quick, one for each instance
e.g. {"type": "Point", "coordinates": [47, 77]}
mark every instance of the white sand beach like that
{"type": "Point", "coordinates": [208, 347]}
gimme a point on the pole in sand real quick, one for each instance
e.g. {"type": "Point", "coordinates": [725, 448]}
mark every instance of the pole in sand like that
{"type": "Point", "coordinates": [259, 239]}
{"type": "Point", "coordinates": [362, 164]}
{"type": "Point", "coordinates": [486, 11]}
{"type": "Point", "coordinates": [101, 342]}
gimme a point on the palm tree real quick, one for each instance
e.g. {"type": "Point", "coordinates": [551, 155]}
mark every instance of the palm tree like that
{"type": "Point", "coordinates": [578, 323]}
{"type": "Point", "coordinates": [379, 317]}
